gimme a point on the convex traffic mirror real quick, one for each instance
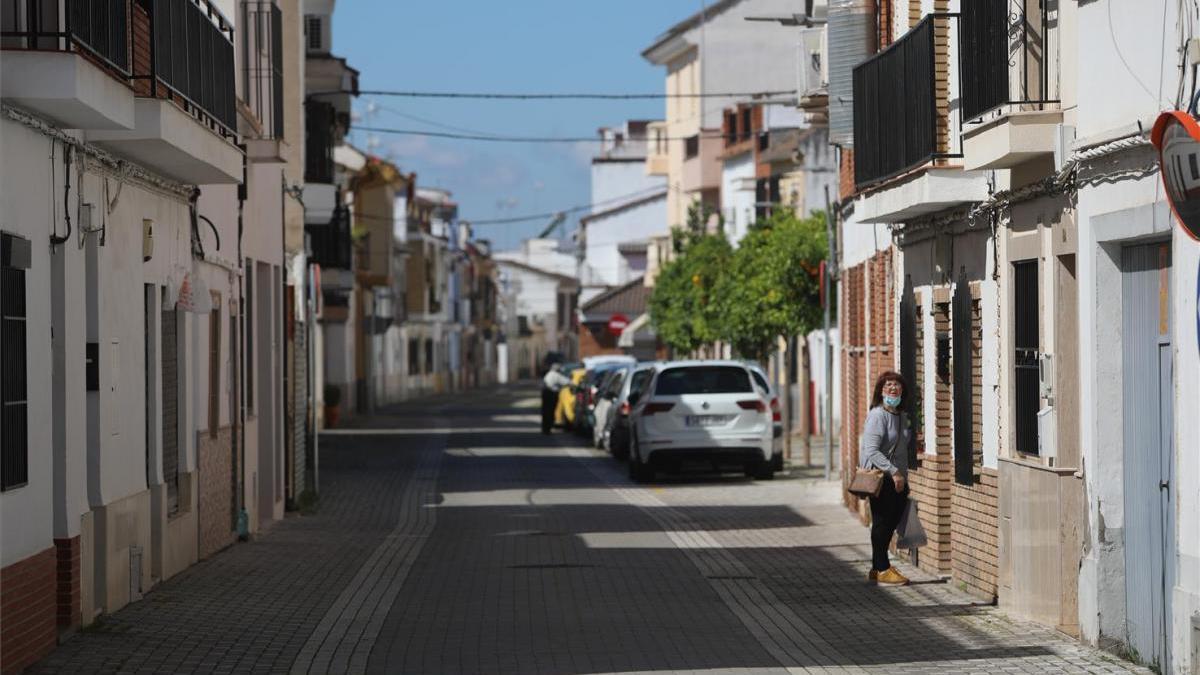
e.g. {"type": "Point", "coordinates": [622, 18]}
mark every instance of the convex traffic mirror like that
{"type": "Point", "coordinates": [1176, 135]}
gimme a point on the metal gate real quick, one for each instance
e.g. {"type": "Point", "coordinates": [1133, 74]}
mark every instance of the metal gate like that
{"type": "Point", "coordinates": [1026, 345]}
{"type": "Point", "coordinates": [170, 408]}
{"type": "Point", "coordinates": [1148, 427]}
{"type": "Point", "coordinates": [908, 358]}
{"type": "Point", "coordinates": [961, 335]}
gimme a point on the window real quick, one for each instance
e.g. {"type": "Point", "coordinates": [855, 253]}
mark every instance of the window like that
{"type": "Point", "coordinates": [169, 367]}
{"type": "Point", "coordinates": [313, 29]}
{"type": "Point", "coordinates": [428, 355]}
{"type": "Point", "coordinates": [14, 406]}
{"type": "Point", "coordinates": [640, 378]}
{"type": "Point", "coordinates": [746, 123]}
{"type": "Point", "coordinates": [1025, 340]}
{"type": "Point", "coordinates": [703, 380]}
{"type": "Point", "coordinates": [691, 146]}
{"type": "Point", "coordinates": [414, 355]}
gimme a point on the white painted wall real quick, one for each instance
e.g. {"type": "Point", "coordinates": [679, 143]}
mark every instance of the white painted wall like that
{"type": "Point", "coordinates": [1127, 72]}
{"type": "Point", "coordinates": [737, 195]}
{"type": "Point", "coordinates": [25, 513]}
{"type": "Point", "coordinates": [604, 264]}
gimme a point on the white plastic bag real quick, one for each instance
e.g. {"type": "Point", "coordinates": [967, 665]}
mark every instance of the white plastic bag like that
{"type": "Point", "coordinates": [910, 533]}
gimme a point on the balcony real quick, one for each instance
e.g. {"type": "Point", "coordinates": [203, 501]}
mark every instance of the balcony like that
{"type": "Point", "coordinates": [702, 162]}
{"type": "Point", "coordinates": [331, 244]}
{"type": "Point", "coordinates": [1010, 92]}
{"type": "Point", "coordinates": [899, 122]}
{"type": "Point", "coordinates": [657, 162]}
{"type": "Point", "coordinates": [68, 62]}
{"type": "Point", "coordinates": [262, 79]}
{"type": "Point", "coordinates": [319, 137]}
{"type": "Point", "coordinates": [183, 74]}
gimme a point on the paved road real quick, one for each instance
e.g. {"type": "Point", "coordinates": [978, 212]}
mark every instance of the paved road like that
{"type": "Point", "coordinates": [453, 538]}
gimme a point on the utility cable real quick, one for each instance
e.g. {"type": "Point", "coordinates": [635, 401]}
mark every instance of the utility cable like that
{"type": "Point", "coordinates": [515, 139]}
{"type": "Point", "coordinates": [587, 96]}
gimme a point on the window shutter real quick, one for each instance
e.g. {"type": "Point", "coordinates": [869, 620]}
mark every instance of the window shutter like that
{"type": "Point", "coordinates": [14, 404]}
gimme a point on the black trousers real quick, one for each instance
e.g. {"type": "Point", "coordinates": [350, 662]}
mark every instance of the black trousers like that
{"type": "Point", "coordinates": [886, 510]}
{"type": "Point", "coordinates": [549, 403]}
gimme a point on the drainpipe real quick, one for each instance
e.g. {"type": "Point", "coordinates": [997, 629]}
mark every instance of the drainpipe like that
{"type": "Point", "coordinates": [239, 445]}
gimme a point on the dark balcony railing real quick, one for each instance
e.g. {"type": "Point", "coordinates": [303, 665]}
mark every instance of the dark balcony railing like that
{"type": "Point", "coordinates": [993, 41]}
{"type": "Point", "coordinates": [262, 64]}
{"type": "Point", "coordinates": [319, 119]}
{"type": "Point", "coordinates": [100, 27]}
{"type": "Point", "coordinates": [193, 57]}
{"type": "Point", "coordinates": [895, 107]}
{"type": "Point", "coordinates": [331, 243]}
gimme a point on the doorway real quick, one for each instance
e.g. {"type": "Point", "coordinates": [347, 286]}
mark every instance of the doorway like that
{"type": "Point", "coordinates": [1148, 384]}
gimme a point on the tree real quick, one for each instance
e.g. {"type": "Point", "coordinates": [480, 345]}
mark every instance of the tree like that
{"type": "Point", "coordinates": [684, 308]}
{"type": "Point", "coordinates": [771, 288]}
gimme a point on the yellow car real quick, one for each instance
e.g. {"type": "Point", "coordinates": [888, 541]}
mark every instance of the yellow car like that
{"type": "Point", "coordinates": [564, 413]}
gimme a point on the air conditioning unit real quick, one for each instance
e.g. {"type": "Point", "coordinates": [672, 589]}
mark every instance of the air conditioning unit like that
{"type": "Point", "coordinates": [812, 58]}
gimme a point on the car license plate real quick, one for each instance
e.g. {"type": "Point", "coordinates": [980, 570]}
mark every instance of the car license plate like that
{"type": "Point", "coordinates": [707, 420]}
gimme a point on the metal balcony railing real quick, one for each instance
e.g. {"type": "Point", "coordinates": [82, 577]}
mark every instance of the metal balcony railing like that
{"type": "Point", "coordinates": [331, 243]}
{"type": "Point", "coordinates": [262, 64]}
{"type": "Point", "coordinates": [1004, 57]}
{"type": "Point", "coordinates": [100, 27]}
{"type": "Point", "coordinates": [192, 57]}
{"type": "Point", "coordinates": [319, 121]}
{"type": "Point", "coordinates": [896, 116]}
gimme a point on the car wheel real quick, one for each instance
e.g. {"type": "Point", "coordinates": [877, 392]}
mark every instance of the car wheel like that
{"type": "Point", "coordinates": [777, 461]}
{"type": "Point", "coordinates": [639, 471]}
{"type": "Point", "coordinates": [760, 470]}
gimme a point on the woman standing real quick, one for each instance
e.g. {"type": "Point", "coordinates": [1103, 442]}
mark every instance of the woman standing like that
{"type": "Point", "coordinates": [885, 447]}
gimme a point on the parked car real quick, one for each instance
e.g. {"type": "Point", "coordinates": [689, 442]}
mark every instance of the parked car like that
{"type": "Point", "coordinates": [564, 413]}
{"type": "Point", "coordinates": [617, 437]}
{"type": "Point", "coordinates": [585, 396]}
{"type": "Point", "coordinates": [606, 396]}
{"type": "Point", "coordinates": [710, 411]}
{"type": "Point", "coordinates": [761, 379]}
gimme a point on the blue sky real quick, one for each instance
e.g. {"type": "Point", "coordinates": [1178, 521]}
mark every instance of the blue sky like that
{"type": "Point", "coordinates": [521, 46]}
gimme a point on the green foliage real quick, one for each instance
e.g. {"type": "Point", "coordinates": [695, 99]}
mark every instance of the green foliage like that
{"type": "Point", "coordinates": [683, 307]}
{"type": "Point", "coordinates": [765, 289]}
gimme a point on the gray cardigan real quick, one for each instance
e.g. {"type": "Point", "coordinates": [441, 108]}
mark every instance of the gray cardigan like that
{"type": "Point", "coordinates": [884, 443]}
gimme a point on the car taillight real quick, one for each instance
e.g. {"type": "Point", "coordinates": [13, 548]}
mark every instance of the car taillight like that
{"type": "Point", "coordinates": [752, 404]}
{"type": "Point", "coordinates": [625, 407]}
{"type": "Point", "coordinates": [775, 414]}
{"type": "Point", "coordinates": [652, 408]}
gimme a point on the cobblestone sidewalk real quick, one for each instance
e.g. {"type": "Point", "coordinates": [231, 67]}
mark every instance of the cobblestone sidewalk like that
{"type": "Point", "coordinates": [452, 537]}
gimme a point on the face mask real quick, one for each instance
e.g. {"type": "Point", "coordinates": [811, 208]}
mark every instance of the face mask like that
{"type": "Point", "coordinates": [891, 401]}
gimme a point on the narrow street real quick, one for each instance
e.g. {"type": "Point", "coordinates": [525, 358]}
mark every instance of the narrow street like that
{"type": "Point", "coordinates": [452, 537]}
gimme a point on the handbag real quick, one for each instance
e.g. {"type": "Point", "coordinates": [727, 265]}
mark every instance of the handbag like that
{"type": "Point", "coordinates": [910, 533]}
{"type": "Point", "coordinates": [866, 482]}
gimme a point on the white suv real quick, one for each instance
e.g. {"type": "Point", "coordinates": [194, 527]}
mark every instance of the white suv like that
{"type": "Point", "coordinates": [708, 411]}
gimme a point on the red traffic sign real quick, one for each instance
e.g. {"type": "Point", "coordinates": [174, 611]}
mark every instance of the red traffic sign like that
{"type": "Point", "coordinates": [617, 323]}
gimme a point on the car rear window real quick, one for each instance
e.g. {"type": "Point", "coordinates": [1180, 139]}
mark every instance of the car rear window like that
{"type": "Point", "coordinates": [760, 380]}
{"type": "Point", "coordinates": [702, 380]}
{"type": "Point", "coordinates": [638, 382]}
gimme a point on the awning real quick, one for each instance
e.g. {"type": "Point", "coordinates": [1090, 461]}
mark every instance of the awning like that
{"type": "Point", "coordinates": [626, 340]}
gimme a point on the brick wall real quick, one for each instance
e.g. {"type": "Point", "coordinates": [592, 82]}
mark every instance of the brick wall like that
{"type": "Point", "coordinates": [141, 48]}
{"type": "Point", "coordinates": [846, 174]}
{"type": "Point", "coordinates": [930, 489]}
{"type": "Point", "coordinates": [28, 610]}
{"type": "Point", "coordinates": [595, 340]}
{"type": "Point", "coordinates": [67, 582]}
{"type": "Point", "coordinates": [975, 535]}
{"type": "Point", "coordinates": [216, 491]}
{"type": "Point", "coordinates": [868, 297]}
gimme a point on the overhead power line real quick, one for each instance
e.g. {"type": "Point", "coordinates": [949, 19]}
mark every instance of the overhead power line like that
{"type": "Point", "coordinates": [592, 96]}
{"type": "Point", "coordinates": [514, 139]}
